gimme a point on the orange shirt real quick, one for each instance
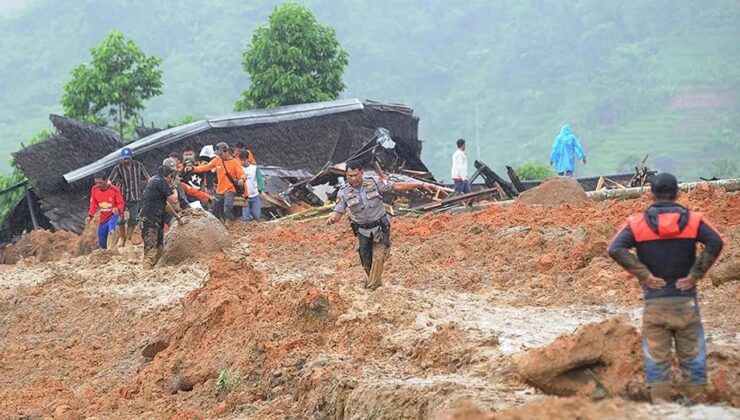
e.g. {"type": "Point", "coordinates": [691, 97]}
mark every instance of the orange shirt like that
{"type": "Point", "coordinates": [232, 165]}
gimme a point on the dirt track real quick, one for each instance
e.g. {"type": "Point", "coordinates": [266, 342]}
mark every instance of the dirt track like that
{"type": "Point", "coordinates": [464, 295]}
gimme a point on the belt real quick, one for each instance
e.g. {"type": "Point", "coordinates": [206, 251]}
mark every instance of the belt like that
{"type": "Point", "coordinates": [370, 225]}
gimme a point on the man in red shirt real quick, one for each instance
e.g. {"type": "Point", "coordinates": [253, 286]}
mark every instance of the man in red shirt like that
{"type": "Point", "coordinates": [108, 199]}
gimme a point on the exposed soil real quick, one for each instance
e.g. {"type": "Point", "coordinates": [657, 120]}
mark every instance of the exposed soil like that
{"type": "Point", "coordinates": [466, 298]}
{"type": "Point", "coordinates": [554, 192]}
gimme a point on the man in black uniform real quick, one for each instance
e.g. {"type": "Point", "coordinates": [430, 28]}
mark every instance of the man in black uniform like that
{"type": "Point", "coordinates": [158, 198]}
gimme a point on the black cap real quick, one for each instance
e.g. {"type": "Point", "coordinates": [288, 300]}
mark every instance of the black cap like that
{"type": "Point", "coordinates": [664, 186]}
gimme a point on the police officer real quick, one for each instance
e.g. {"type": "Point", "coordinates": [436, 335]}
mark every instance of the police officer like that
{"type": "Point", "coordinates": [363, 197]}
{"type": "Point", "coordinates": [666, 265]}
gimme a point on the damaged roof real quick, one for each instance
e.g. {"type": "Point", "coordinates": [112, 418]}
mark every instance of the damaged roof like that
{"type": "Point", "coordinates": [265, 131]}
{"type": "Point", "coordinates": [299, 140]}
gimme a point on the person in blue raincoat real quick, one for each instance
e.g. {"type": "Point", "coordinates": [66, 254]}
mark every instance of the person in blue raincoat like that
{"type": "Point", "coordinates": [565, 149]}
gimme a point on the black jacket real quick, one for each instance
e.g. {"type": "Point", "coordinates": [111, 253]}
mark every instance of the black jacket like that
{"type": "Point", "coordinates": [665, 237]}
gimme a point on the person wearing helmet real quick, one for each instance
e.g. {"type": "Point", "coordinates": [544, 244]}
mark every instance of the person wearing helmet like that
{"type": "Point", "coordinates": [129, 176]}
{"type": "Point", "coordinates": [229, 181]}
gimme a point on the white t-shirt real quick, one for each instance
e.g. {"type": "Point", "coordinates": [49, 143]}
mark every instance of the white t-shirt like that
{"type": "Point", "coordinates": [251, 174]}
{"type": "Point", "coordinates": [459, 165]}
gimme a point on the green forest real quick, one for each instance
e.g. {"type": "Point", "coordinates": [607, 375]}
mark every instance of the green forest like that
{"type": "Point", "coordinates": [632, 77]}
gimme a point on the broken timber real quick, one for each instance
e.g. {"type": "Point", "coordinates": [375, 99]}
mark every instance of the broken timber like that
{"type": "Point", "coordinates": [491, 179]}
{"type": "Point", "coordinates": [454, 200]}
{"type": "Point", "coordinates": [520, 188]}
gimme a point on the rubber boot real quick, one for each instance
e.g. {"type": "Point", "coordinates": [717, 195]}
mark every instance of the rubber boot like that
{"type": "Point", "coordinates": [693, 393]}
{"type": "Point", "coordinates": [113, 240]}
{"type": "Point", "coordinates": [130, 233]}
{"type": "Point", "coordinates": [380, 253]}
{"type": "Point", "coordinates": [121, 236]}
{"type": "Point", "coordinates": [661, 393]}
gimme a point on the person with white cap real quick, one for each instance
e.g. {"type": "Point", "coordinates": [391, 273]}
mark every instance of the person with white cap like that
{"type": "Point", "coordinates": [230, 175]}
{"type": "Point", "coordinates": [129, 176]}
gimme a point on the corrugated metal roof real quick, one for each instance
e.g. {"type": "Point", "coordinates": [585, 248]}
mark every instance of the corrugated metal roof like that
{"type": "Point", "coordinates": [240, 119]}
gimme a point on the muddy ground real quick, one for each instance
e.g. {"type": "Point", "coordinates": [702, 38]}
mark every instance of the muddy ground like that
{"type": "Point", "coordinates": [279, 326]}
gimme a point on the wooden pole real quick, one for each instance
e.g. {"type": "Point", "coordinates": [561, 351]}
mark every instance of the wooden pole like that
{"type": "Point", "coordinates": [31, 209]}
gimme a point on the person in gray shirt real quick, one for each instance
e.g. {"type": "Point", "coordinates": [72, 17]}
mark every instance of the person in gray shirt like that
{"type": "Point", "coordinates": [363, 198]}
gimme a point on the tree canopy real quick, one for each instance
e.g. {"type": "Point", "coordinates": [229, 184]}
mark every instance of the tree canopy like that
{"type": "Point", "coordinates": [114, 85]}
{"type": "Point", "coordinates": [294, 59]}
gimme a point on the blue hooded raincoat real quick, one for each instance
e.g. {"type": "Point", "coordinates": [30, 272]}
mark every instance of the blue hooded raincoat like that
{"type": "Point", "coordinates": [565, 149]}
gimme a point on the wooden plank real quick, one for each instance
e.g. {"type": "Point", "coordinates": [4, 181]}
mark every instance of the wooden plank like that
{"type": "Point", "coordinates": [520, 188]}
{"type": "Point", "coordinates": [454, 200]}
{"type": "Point", "coordinates": [600, 184]}
{"type": "Point", "coordinates": [491, 178]}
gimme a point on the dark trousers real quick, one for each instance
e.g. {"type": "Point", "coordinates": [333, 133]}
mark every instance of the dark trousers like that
{"type": "Point", "coordinates": [153, 235]}
{"type": "Point", "coordinates": [373, 255]}
{"type": "Point", "coordinates": [223, 206]}
{"type": "Point", "coordinates": [462, 187]}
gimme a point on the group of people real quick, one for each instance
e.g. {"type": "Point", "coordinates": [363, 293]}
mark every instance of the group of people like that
{"type": "Point", "coordinates": [224, 180]}
{"type": "Point", "coordinates": [566, 150]}
{"type": "Point", "coordinates": [665, 235]}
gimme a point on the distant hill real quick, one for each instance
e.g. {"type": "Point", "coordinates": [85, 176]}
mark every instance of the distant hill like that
{"type": "Point", "coordinates": [632, 77]}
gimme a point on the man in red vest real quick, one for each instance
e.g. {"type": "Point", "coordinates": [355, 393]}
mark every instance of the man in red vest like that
{"type": "Point", "coordinates": [666, 265]}
{"type": "Point", "coordinates": [108, 199]}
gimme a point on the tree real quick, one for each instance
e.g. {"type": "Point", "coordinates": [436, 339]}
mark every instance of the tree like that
{"type": "Point", "coordinates": [530, 171]}
{"type": "Point", "coordinates": [117, 82]}
{"type": "Point", "coordinates": [294, 59]}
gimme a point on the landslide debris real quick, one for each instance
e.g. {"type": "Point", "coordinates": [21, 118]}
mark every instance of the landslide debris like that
{"type": "Point", "coordinates": [201, 237]}
{"type": "Point", "coordinates": [606, 354]}
{"type": "Point", "coordinates": [554, 192]}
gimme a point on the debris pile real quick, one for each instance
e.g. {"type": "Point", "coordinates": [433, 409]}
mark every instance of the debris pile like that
{"type": "Point", "coordinates": [597, 360]}
{"type": "Point", "coordinates": [554, 192]}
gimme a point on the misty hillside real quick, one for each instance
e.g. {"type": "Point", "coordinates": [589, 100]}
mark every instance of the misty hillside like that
{"type": "Point", "coordinates": [632, 77]}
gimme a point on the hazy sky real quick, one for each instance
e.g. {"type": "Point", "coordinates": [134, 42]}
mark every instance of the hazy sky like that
{"type": "Point", "coordinates": [8, 6]}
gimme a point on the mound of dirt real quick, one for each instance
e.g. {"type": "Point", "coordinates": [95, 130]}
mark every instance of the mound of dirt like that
{"type": "Point", "coordinates": [607, 352]}
{"type": "Point", "coordinates": [42, 246]}
{"type": "Point", "coordinates": [201, 237]}
{"type": "Point", "coordinates": [554, 192]}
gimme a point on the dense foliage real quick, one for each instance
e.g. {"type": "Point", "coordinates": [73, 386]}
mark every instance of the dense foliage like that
{"type": "Point", "coordinates": [8, 200]}
{"type": "Point", "coordinates": [532, 170]}
{"type": "Point", "coordinates": [118, 80]}
{"type": "Point", "coordinates": [293, 60]}
{"type": "Point", "coordinates": [633, 77]}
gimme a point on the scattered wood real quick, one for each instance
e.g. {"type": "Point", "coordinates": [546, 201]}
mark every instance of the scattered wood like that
{"type": "Point", "coordinates": [600, 184]}
{"type": "Point", "coordinates": [729, 185]}
{"type": "Point", "coordinates": [455, 200]}
{"type": "Point", "coordinates": [491, 179]}
{"type": "Point", "coordinates": [515, 181]}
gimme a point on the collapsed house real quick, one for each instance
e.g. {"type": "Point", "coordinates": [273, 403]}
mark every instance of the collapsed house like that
{"type": "Point", "coordinates": [292, 144]}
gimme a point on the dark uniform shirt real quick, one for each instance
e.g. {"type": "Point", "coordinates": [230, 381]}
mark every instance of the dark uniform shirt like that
{"type": "Point", "coordinates": [665, 238]}
{"type": "Point", "coordinates": [154, 199]}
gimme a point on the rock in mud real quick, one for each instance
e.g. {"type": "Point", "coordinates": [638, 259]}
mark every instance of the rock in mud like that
{"type": "Point", "coordinates": [605, 354]}
{"type": "Point", "coordinates": [199, 238]}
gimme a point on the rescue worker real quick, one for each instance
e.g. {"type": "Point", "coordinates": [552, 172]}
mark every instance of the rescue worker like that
{"type": "Point", "coordinates": [565, 149]}
{"type": "Point", "coordinates": [130, 176]}
{"type": "Point", "coordinates": [193, 185]}
{"type": "Point", "coordinates": [158, 198]}
{"type": "Point", "coordinates": [665, 237]}
{"type": "Point", "coordinates": [230, 180]}
{"type": "Point", "coordinates": [108, 199]}
{"type": "Point", "coordinates": [363, 197]}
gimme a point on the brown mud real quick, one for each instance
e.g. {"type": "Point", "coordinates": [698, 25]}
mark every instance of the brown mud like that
{"type": "Point", "coordinates": [466, 297]}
